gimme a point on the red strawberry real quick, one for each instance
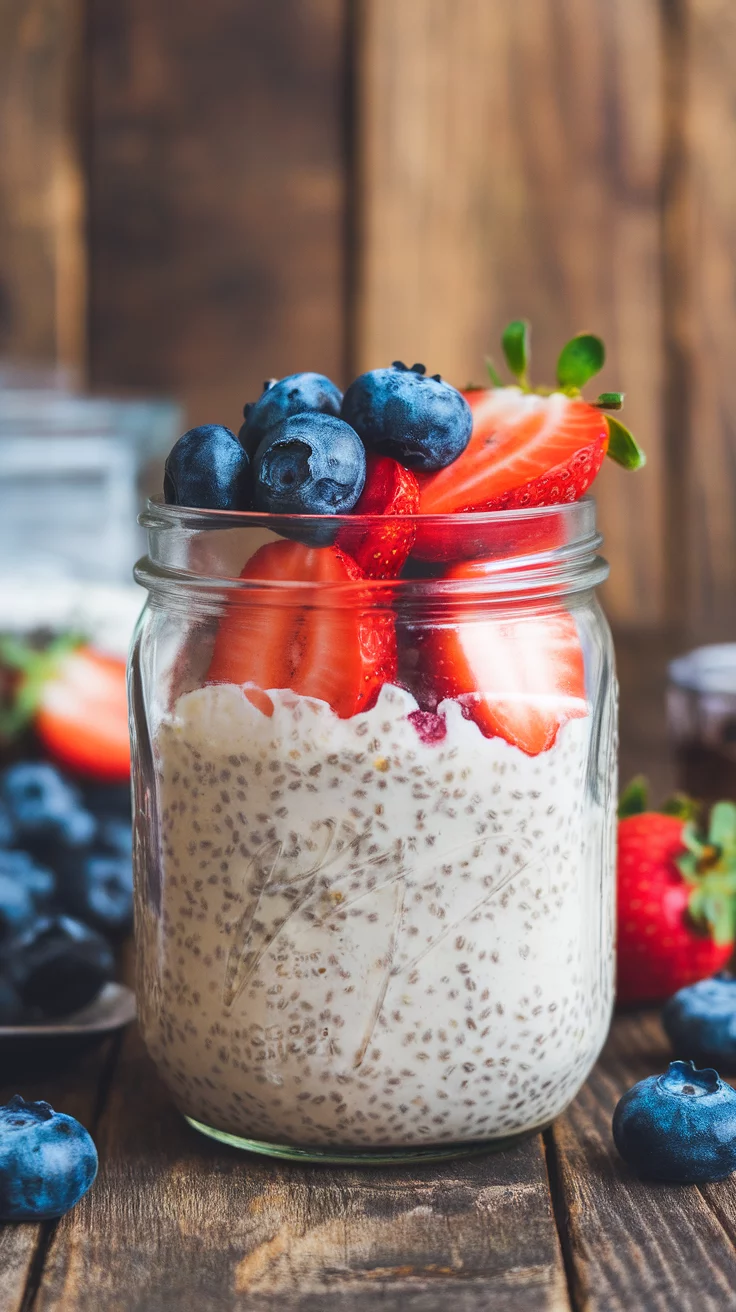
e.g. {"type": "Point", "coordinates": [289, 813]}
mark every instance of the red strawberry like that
{"type": "Point", "coordinates": [525, 450]}
{"type": "Point", "coordinates": [676, 902]}
{"type": "Point", "coordinates": [76, 700]}
{"type": "Point", "coordinates": [519, 677]}
{"type": "Point", "coordinates": [390, 489]}
{"type": "Point", "coordinates": [82, 716]}
{"type": "Point", "coordinates": [332, 647]}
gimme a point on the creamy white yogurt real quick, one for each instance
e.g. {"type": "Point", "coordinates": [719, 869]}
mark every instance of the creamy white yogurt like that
{"type": "Point", "coordinates": [366, 939]}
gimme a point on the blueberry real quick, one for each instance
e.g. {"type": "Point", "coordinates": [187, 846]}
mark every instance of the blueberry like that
{"type": "Point", "coordinates": [115, 837]}
{"type": "Point", "coordinates": [59, 965]}
{"type": "Point", "coordinates": [25, 871]}
{"type": "Point", "coordinates": [422, 422]}
{"type": "Point", "coordinates": [7, 828]}
{"type": "Point", "coordinates": [17, 908]}
{"type": "Point", "coordinates": [12, 1011]}
{"type": "Point", "coordinates": [701, 1021]}
{"type": "Point", "coordinates": [37, 797]}
{"type": "Point", "coordinates": [47, 1161]}
{"type": "Point", "coordinates": [99, 891]}
{"type": "Point", "coordinates": [208, 469]}
{"type": "Point", "coordinates": [311, 464]}
{"type": "Point", "coordinates": [295, 395]}
{"type": "Point", "coordinates": [679, 1127]}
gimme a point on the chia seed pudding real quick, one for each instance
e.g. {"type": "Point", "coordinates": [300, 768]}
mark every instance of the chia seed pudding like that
{"type": "Point", "coordinates": [373, 931]}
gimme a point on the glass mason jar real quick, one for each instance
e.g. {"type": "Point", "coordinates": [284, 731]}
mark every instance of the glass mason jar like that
{"type": "Point", "coordinates": [383, 930]}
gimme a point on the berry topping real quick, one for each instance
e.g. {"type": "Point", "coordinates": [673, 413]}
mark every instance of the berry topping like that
{"type": "Point", "coordinates": [295, 395]}
{"type": "Point", "coordinates": [431, 728]}
{"type": "Point", "coordinates": [519, 678]}
{"type": "Point", "coordinates": [59, 965]}
{"type": "Point", "coordinates": [533, 449]}
{"type": "Point", "coordinates": [310, 464]}
{"type": "Point", "coordinates": [382, 549]}
{"type": "Point", "coordinates": [336, 648]}
{"type": "Point", "coordinates": [421, 421]}
{"type": "Point", "coordinates": [47, 1161]}
{"type": "Point", "coordinates": [676, 898]}
{"type": "Point", "coordinates": [679, 1127]}
{"type": "Point", "coordinates": [208, 469]}
{"type": "Point", "coordinates": [700, 1021]}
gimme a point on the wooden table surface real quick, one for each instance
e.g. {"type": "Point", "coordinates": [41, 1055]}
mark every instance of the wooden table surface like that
{"type": "Point", "coordinates": [175, 1221]}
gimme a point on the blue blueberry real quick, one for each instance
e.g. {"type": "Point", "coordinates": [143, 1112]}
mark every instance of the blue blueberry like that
{"type": "Point", "coordinates": [700, 1022]}
{"type": "Point", "coordinates": [7, 828]}
{"type": "Point", "coordinates": [25, 872]}
{"type": "Point", "coordinates": [37, 797]}
{"type": "Point", "coordinates": [209, 470]}
{"type": "Point", "coordinates": [59, 965]}
{"type": "Point", "coordinates": [99, 891]}
{"type": "Point", "coordinates": [679, 1127]}
{"type": "Point", "coordinates": [115, 837]}
{"type": "Point", "coordinates": [295, 395]}
{"type": "Point", "coordinates": [422, 422]}
{"type": "Point", "coordinates": [47, 1161]}
{"type": "Point", "coordinates": [16, 908]}
{"type": "Point", "coordinates": [311, 464]}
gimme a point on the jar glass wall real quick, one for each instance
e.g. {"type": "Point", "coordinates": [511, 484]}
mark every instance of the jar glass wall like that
{"type": "Point", "coordinates": [384, 929]}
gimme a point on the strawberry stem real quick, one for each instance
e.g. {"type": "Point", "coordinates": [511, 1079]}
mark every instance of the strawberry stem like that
{"type": "Point", "coordinates": [516, 348]}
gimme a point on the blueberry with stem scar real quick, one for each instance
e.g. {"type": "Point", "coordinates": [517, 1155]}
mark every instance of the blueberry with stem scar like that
{"type": "Point", "coordinates": [679, 1127]}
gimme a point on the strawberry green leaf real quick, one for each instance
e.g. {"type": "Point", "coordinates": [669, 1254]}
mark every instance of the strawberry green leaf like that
{"type": "Point", "coordinates": [722, 829]}
{"type": "Point", "coordinates": [516, 348]}
{"type": "Point", "coordinates": [610, 401]}
{"type": "Point", "coordinates": [634, 798]}
{"type": "Point", "coordinates": [493, 373]}
{"type": "Point", "coordinates": [623, 446]}
{"type": "Point", "coordinates": [684, 807]}
{"type": "Point", "coordinates": [580, 359]}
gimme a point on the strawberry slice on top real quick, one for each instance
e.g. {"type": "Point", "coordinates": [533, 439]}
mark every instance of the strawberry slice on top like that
{"type": "Point", "coordinates": [533, 448]}
{"type": "Point", "coordinates": [390, 489]}
{"type": "Point", "coordinates": [518, 676]}
{"type": "Point", "coordinates": [337, 649]}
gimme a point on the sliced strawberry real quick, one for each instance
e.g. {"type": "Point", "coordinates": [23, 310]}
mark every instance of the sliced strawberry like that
{"type": "Point", "coordinates": [525, 450]}
{"type": "Point", "coordinates": [390, 489]}
{"type": "Point", "coordinates": [339, 650]}
{"type": "Point", "coordinates": [82, 715]}
{"type": "Point", "coordinates": [519, 677]}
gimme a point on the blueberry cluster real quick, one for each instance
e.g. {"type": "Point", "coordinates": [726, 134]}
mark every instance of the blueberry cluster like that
{"type": "Point", "coordinates": [302, 447]}
{"type": "Point", "coordinates": [66, 891]}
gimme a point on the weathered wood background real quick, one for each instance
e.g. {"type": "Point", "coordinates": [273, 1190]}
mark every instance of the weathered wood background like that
{"type": "Point", "coordinates": [193, 198]}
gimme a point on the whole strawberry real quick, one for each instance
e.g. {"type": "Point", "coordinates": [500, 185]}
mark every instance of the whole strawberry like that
{"type": "Point", "coordinates": [676, 897]}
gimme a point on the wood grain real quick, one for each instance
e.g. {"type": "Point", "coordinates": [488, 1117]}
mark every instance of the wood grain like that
{"type": "Point", "coordinates": [712, 192]}
{"type": "Point", "coordinates": [42, 263]}
{"type": "Point", "coordinates": [635, 1244]}
{"type": "Point", "coordinates": [177, 1221]}
{"type": "Point", "coordinates": [509, 165]}
{"type": "Point", "coordinates": [217, 196]}
{"type": "Point", "coordinates": [76, 1089]}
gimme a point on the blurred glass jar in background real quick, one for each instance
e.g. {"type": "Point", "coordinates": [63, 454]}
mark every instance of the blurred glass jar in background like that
{"type": "Point", "coordinates": [701, 714]}
{"type": "Point", "coordinates": [74, 470]}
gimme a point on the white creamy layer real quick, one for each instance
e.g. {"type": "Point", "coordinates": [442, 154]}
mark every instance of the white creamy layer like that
{"type": "Point", "coordinates": [366, 939]}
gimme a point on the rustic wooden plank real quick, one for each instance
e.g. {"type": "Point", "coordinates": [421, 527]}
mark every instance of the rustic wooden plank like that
{"type": "Point", "coordinates": [711, 472]}
{"type": "Point", "coordinates": [177, 1221]}
{"type": "Point", "coordinates": [634, 1244]}
{"type": "Point", "coordinates": [641, 662]}
{"type": "Point", "coordinates": [76, 1089]}
{"type": "Point", "coordinates": [42, 258]}
{"type": "Point", "coordinates": [509, 165]}
{"type": "Point", "coordinates": [217, 196]}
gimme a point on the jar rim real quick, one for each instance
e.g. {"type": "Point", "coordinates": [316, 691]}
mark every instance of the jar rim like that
{"type": "Point", "coordinates": [159, 513]}
{"type": "Point", "coordinates": [520, 555]}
